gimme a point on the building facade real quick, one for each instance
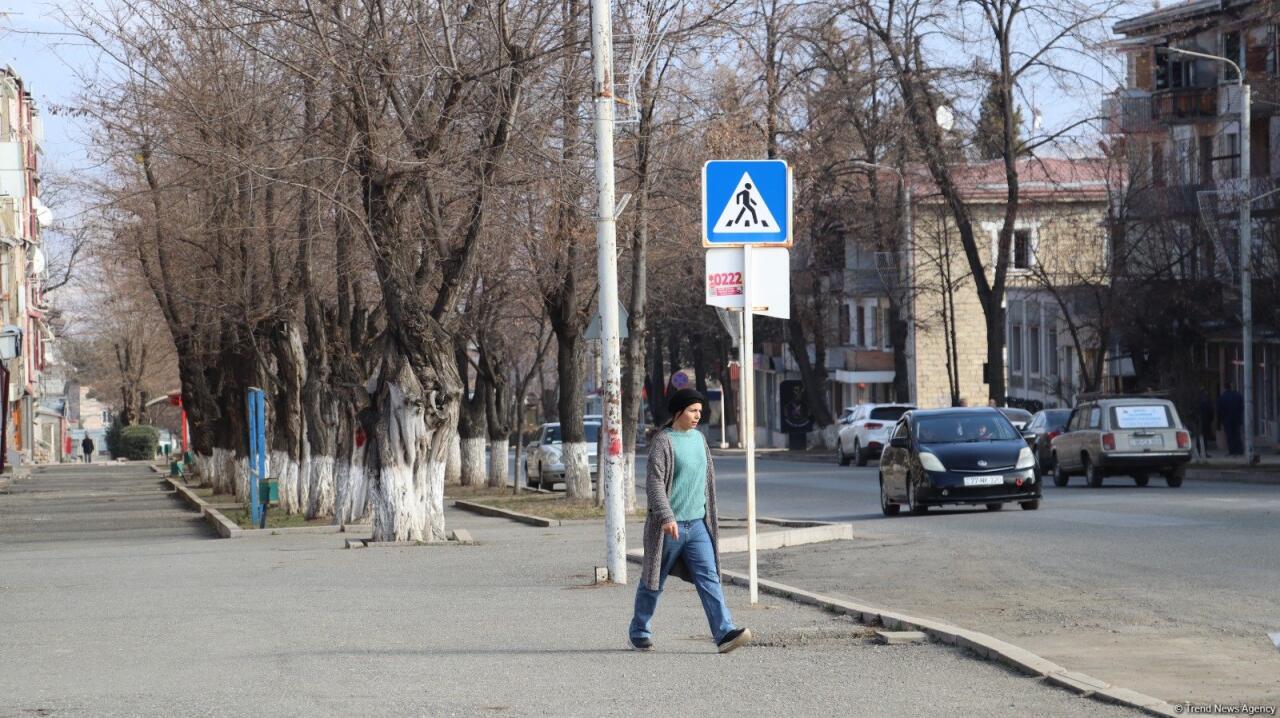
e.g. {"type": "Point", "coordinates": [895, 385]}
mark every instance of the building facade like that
{"type": "Point", "coordinates": [1181, 118]}
{"type": "Point", "coordinates": [22, 265]}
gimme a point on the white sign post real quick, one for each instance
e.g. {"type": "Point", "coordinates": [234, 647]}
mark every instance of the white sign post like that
{"type": "Point", "coordinates": [746, 223]}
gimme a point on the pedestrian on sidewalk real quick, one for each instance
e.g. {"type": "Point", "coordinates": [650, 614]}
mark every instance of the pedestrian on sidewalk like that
{"type": "Point", "coordinates": [87, 447]}
{"type": "Point", "coordinates": [1231, 414]}
{"type": "Point", "coordinates": [1204, 423]}
{"type": "Point", "coordinates": [681, 532]}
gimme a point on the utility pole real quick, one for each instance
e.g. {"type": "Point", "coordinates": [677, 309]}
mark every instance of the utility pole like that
{"type": "Point", "coordinates": [615, 525]}
{"type": "Point", "coordinates": [1246, 242]}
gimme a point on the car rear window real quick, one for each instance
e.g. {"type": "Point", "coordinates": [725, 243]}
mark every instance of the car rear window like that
{"type": "Point", "coordinates": [888, 413]}
{"type": "Point", "coordinates": [1152, 416]}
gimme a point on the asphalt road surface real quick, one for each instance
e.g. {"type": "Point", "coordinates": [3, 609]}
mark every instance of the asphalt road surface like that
{"type": "Point", "coordinates": [1167, 591]}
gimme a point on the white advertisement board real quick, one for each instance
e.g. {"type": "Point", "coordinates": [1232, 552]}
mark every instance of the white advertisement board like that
{"type": "Point", "coordinates": [770, 277]}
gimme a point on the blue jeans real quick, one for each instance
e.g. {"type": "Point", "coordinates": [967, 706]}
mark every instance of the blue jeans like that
{"type": "Point", "coordinates": [694, 546]}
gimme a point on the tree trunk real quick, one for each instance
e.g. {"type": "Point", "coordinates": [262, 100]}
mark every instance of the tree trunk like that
{"type": "Point", "coordinates": [577, 470]}
{"type": "Point", "coordinates": [472, 425]}
{"type": "Point", "coordinates": [413, 412]}
{"type": "Point", "coordinates": [453, 465]}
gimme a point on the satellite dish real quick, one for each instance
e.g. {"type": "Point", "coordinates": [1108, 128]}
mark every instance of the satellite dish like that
{"type": "Point", "coordinates": [945, 117]}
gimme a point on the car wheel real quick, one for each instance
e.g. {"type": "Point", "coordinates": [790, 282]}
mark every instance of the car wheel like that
{"type": "Point", "coordinates": [859, 456]}
{"type": "Point", "coordinates": [1175, 477]}
{"type": "Point", "coordinates": [840, 455]}
{"type": "Point", "coordinates": [1060, 475]}
{"type": "Point", "coordinates": [1092, 473]}
{"type": "Point", "coordinates": [1141, 479]}
{"type": "Point", "coordinates": [994, 507]}
{"type": "Point", "coordinates": [913, 501]}
{"type": "Point", "coordinates": [889, 509]}
{"type": "Point", "coordinates": [1031, 505]}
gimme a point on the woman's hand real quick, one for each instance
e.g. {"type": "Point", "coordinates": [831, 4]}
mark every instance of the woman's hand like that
{"type": "Point", "coordinates": [671, 529]}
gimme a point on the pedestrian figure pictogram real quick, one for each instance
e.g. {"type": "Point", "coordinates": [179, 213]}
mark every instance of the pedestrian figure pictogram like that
{"type": "Point", "coordinates": [746, 212]}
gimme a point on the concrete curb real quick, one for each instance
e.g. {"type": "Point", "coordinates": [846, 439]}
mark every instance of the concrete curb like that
{"type": "Point", "coordinates": [985, 646]}
{"type": "Point", "coordinates": [789, 537]}
{"type": "Point", "coordinates": [224, 526]}
{"type": "Point", "coordinates": [486, 510]}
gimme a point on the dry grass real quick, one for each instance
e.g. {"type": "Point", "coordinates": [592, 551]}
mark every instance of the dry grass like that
{"type": "Point", "coordinates": [547, 506]}
{"type": "Point", "coordinates": [276, 519]}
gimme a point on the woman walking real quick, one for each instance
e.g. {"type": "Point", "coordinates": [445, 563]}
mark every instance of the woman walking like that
{"type": "Point", "coordinates": [681, 530]}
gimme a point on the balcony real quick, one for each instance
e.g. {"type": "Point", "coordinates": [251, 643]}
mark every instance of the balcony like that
{"type": "Point", "coordinates": [1188, 104]}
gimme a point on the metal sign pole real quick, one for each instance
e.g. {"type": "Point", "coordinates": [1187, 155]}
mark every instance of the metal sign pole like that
{"type": "Point", "coordinates": [615, 524]}
{"type": "Point", "coordinates": [749, 413]}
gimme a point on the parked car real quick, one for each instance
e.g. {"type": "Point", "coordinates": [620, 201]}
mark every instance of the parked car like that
{"type": "Point", "coordinates": [1040, 432]}
{"type": "Point", "coordinates": [544, 466]}
{"type": "Point", "coordinates": [867, 432]}
{"type": "Point", "coordinates": [1018, 417]}
{"type": "Point", "coordinates": [957, 456]}
{"type": "Point", "coordinates": [1122, 436]}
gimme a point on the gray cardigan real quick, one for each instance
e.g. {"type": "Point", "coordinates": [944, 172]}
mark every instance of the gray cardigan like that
{"type": "Point", "coordinates": [658, 488]}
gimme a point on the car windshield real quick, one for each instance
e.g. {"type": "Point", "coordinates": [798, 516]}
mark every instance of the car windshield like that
{"type": "Point", "coordinates": [888, 413]}
{"type": "Point", "coordinates": [1057, 417]}
{"type": "Point", "coordinates": [1017, 415]}
{"type": "Point", "coordinates": [963, 429]}
{"type": "Point", "coordinates": [553, 434]}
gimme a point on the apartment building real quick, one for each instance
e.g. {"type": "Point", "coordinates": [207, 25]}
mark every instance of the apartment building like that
{"type": "Point", "coordinates": [22, 266]}
{"type": "Point", "coordinates": [1181, 118]}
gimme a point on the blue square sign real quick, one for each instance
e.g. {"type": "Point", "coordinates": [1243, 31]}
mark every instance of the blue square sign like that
{"type": "Point", "coordinates": [746, 202]}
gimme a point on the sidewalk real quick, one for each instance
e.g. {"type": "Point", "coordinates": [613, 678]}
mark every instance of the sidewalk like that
{"type": "Point", "coordinates": [180, 624]}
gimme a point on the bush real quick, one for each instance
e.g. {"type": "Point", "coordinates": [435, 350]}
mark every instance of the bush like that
{"type": "Point", "coordinates": [113, 440]}
{"type": "Point", "coordinates": [138, 442]}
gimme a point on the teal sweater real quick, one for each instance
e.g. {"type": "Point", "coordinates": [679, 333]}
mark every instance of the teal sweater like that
{"type": "Point", "coordinates": [689, 485]}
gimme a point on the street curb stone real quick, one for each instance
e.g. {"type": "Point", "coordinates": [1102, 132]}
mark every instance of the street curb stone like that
{"type": "Point", "coordinates": [980, 644]}
{"type": "Point", "coordinates": [486, 510]}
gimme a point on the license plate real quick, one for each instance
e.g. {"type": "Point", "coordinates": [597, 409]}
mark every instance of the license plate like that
{"type": "Point", "coordinates": [983, 480]}
{"type": "Point", "coordinates": [1152, 441]}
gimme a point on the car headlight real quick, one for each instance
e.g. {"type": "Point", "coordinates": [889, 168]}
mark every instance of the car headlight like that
{"type": "Point", "coordinates": [930, 462]}
{"type": "Point", "coordinates": [1026, 460]}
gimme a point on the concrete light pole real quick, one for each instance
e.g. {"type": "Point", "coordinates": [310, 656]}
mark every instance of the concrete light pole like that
{"type": "Point", "coordinates": [615, 526]}
{"type": "Point", "coordinates": [1246, 242]}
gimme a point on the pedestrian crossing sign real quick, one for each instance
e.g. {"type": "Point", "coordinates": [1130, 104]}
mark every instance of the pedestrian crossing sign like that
{"type": "Point", "coordinates": [746, 202]}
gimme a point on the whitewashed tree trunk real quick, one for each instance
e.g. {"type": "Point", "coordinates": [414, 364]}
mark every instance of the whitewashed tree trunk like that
{"type": "Point", "coordinates": [352, 500]}
{"type": "Point", "coordinates": [498, 462]}
{"type": "Point", "coordinates": [629, 481]}
{"type": "Point", "coordinates": [324, 486]}
{"type": "Point", "coordinates": [406, 452]}
{"type": "Point", "coordinates": [473, 468]}
{"type": "Point", "coordinates": [293, 489]}
{"type": "Point", "coordinates": [577, 470]}
{"type": "Point", "coordinates": [453, 467]}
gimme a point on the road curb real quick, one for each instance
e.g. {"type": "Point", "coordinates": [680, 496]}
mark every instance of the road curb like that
{"type": "Point", "coordinates": [788, 537]}
{"type": "Point", "coordinates": [487, 510]}
{"type": "Point", "coordinates": [980, 644]}
{"type": "Point", "coordinates": [224, 526]}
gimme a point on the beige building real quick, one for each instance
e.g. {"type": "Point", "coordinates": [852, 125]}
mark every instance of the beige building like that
{"type": "Point", "coordinates": [23, 272]}
{"type": "Point", "coordinates": [1060, 240]}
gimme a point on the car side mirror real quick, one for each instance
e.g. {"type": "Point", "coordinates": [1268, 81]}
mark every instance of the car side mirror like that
{"type": "Point", "coordinates": [898, 442]}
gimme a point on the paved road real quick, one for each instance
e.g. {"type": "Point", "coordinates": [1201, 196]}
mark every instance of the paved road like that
{"type": "Point", "coordinates": [152, 618]}
{"type": "Point", "coordinates": [1169, 591]}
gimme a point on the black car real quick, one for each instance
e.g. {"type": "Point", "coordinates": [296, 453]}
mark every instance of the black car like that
{"type": "Point", "coordinates": [1040, 432]}
{"type": "Point", "coordinates": [956, 456]}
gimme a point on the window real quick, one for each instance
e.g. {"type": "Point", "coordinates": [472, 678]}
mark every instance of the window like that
{"type": "Point", "coordinates": [884, 329]}
{"type": "Point", "coordinates": [1015, 348]}
{"type": "Point", "coordinates": [1034, 356]}
{"type": "Point", "coordinates": [1051, 353]}
{"type": "Point", "coordinates": [845, 322]}
{"type": "Point", "coordinates": [869, 339]}
{"type": "Point", "coordinates": [1230, 157]}
{"type": "Point", "coordinates": [1095, 417]}
{"type": "Point", "coordinates": [1231, 51]}
{"type": "Point", "coordinates": [1271, 51]}
{"type": "Point", "coordinates": [860, 338]}
{"type": "Point", "coordinates": [1206, 159]}
{"type": "Point", "coordinates": [1022, 249]}
{"type": "Point", "coordinates": [901, 431]}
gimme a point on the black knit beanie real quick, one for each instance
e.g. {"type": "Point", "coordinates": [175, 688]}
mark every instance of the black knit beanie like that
{"type": "Point", "coordinates": [683, 399]}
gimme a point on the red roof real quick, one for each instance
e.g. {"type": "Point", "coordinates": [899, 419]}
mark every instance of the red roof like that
{"type": "Point", "coordinates": [1038, 179]}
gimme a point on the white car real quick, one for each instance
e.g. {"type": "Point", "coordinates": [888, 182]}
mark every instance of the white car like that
{"type": "Point", "coordinates": [866, 432]}
{"type": "Point", "coordinates": [544, 465]}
